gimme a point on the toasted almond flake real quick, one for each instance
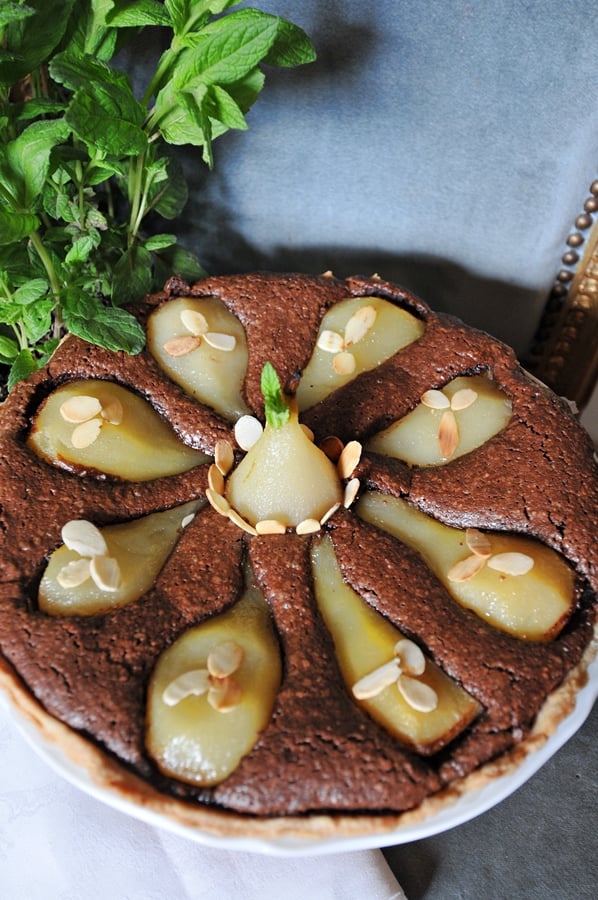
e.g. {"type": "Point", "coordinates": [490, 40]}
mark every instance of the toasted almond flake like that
{"type": "Point", "coordinates": [224, 659]}
{"type": "Point", "coordinates": [240, 522]}
{"type": "Point", "coordinates": [307, 431]}
{"type": "Point", "coordinates": [448, 434]}
{"type": "Point", "coordinates": [435, 400]}
{"type": "Point", "coordinates": [85, 434]}
{"type": "Point", "coordinates": [328, 274]}
{"type": "Point", "coordinates": [332, 446]}
{"type": "Point", "coordinates": [105, 572]}
{"type": "Point", "coordinates": [418, 695]}
{"type": "Point", "coordinates": [225, 695]}
{"type": "Point", "coordinates": [359, 324]}
{"type": "Point", "coordinates": [224, 342]}
{"type": "Point", "coordinates": [466, 568]}
{"type": "Point", "coordinates": [463, 398]}
{"type": "Point", "coordinates": [308, 526]}
{"type": "Point", "coordinates": [248, 431]}
{"type": "Point", "coordinates": [411, 659]}
{"type": "Point", "coordinates": [194, 321]}
{"type": "Point", "coordinates": [344, 363]}
{"type": "Point", "coordinates": [74, 573]}
{"type": "Point", "coordinates": [112, 411]}
{"type": "Point", "coordinates": [351, 489]}
{"type": "Point", "coordinates": [187, 520]}
{"type": "Point", "coordinates": [330, 341]}
{"type": "Point", "coordinates": [84, 538]}
{"type": "Point", "coordinates": [349, 459]}
{"type": "Point", "coordinates": [193, 683]}
{"type": "Point", "coordinates": [224, 456]}
{"type": "Point", "coordinates": [182, 345]}
{"type": "Point", "coordinates": [270, 526]}
{"type": "Point", "coordinates": [374, 682]}
{"type": "Point", "coordinates": [80, 409]}
{"type": "Point", "coordinates": [216, 479]}
{"type": "Point", "coordinates": [511, 563]}
{"type": "Point", "coordinates": [478, 542]}
{"type": "Point", "coordinates": [329, 513]}
{"type": "Point", "coordinates": [218, 502]}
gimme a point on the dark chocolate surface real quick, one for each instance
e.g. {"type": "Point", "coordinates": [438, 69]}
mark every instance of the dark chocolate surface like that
{"type": "Point", "coordinates": [320, 752]}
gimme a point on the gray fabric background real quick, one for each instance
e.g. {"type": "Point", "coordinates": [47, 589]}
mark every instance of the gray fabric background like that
{"type": "Point", "coordinates": [447, 145]}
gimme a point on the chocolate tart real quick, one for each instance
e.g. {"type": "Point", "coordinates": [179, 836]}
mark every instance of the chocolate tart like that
{"type": "Point", "coordinates": [322, 761]}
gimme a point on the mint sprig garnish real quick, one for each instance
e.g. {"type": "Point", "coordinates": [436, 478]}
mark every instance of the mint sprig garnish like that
{"type": "Point", "coordinates": [276, 408]}
{"type": "Point", "coordinates": [86, 166]}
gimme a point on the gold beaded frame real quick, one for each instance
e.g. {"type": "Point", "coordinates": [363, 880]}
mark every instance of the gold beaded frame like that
{"type": "Point", "coordinates": [564, 353]}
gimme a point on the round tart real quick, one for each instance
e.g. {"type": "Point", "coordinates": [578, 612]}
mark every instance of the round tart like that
{"type": "Point", "coordinates": [316, 560]}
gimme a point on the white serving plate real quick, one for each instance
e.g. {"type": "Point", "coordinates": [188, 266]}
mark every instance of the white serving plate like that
{"type": "Point", "coordinates": [466, 807]}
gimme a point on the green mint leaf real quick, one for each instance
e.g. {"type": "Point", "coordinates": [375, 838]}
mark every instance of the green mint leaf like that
{"type": "Point", "coordinates": [190, 15]}
{"type": "Point", "coordinates": [23, 366]}
{"type": "Point", "coordinates": [276, 408]}
{"type": "Point", "coordinates": [37, 319]}
{"type": "Point", "coordinates": [132, 276]}
{"type": "Point", "coordinates": [179, 260]}
{"type": "Point", "coordinates": [106, 326]}
{"type": "Point", "coordinates": [227, 49]}
{"type": "Point", "coordinates": [169, 193]}
{"type": "Point", "coordinates": [221, 107]}
{"type": "Point", "coordinates": [8, 349]}
{"type": "Point", "coordinates": [107, 118]}
{"type": "Point", "coordinates": [14, 12]}
{"type": "Point", "coordinates": [32, 290]}
{"type": "Point", "coordinates": [159, 241]}
{"type": "Point", "coordinates": [138, 13]}
{"type": "Point", "coordinates": [15, 226]}
{"type": "Point", "coordinates": [292, 47]}
{"type": "Point", "coordinates": [32, 39]}
{"type": "Point", "coordinates": [25, 163]}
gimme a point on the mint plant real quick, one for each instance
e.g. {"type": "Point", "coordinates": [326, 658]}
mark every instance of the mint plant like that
{"type": "Point", "coordinates": [84, 161]}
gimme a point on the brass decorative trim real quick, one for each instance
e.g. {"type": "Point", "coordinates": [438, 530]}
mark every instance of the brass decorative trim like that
{"type": "Point", "coordinates": [564, 353]}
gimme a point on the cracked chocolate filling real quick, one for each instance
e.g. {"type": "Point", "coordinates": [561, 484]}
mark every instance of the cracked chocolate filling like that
{"type": "Point", "coordinates": [320, 751]}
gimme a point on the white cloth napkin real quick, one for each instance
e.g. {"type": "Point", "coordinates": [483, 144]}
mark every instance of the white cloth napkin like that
{"type": "Point", "coordinates": [58, 843]}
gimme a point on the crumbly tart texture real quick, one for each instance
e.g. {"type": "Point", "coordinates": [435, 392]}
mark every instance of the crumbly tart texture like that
{"type": "Point", "coordinates": [321, 764]}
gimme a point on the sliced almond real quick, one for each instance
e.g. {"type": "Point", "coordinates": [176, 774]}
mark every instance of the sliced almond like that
{"type": "Point", "coordinates": [216, 479]}
{"type": "Point", "coordinates": [351, 491]}
{"type": "Point", "coordinates": [187, 520]}
{"type": "Point", "coordinates": [240, 522]}
{"type": "Point", "coordinates": [478, 542]}
{"type": "Point", "coordinates": [248, 431]}
{"type": "Point", "coordinates": [349, 459]}
{"type": "Point", "coordinates": [435, 400]}
{"type": "Point", "coordinates": [448, 434]}
{"type": "Point", "coordinates": [332, 446]}
{"type": "Point", "coordinates": [374, 682]}
{"type": "Point", "coordinates": [182, 345]}
{"type": "Point", "coordinates": [85, 434]}
{"type": "Point", "coordinates": [307, 432]}
{"type": "Point", "coordinates": [193, 683]}
{"type": "Point", "coordinates": [112, 411]}
{"type": "Point", "coordinates": [418, 695]}
{"type": "Point", "coordinates": [511, 563]}
{"type": "Point", "coordinates": [224, 342]}
{"type": "Point", "coordinates": [359, 324]}
{"type": "Point", "coordinates": [194, 321]}
{"type": "Point", "coordinates": [270, 526]}
{"type": "Point", "coordinates": [330, 341]}
{"type": "Point", "coordinates": [80, 409]}
{"type": "Point", "coordinates": [75, 572]}
{"type": "Point", "coordinates": [105, 572]}
{"type": "Point", "coordinates": [218, 502]}
{"type": "Point", "coordinates": [466, 568]}
{"type": "Point", "coordinates": [84, 538]}
{"type": "Point", "coordinates": [224, 456]}
{"type": "Point", "coordinates": [224, 695]}
{"type": "Point", "coordinates": [344, 363]}
{"type": "Point", "coordinates": [224, 659]}
{"type": "Point", "coordinates": [411, 659]}
{"type": "Point", "coordinates": [329, 513]}
{"type": "Point", "coordinates": [463, 398]}
{"type": "Point", "coordinates": [308, 526]}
